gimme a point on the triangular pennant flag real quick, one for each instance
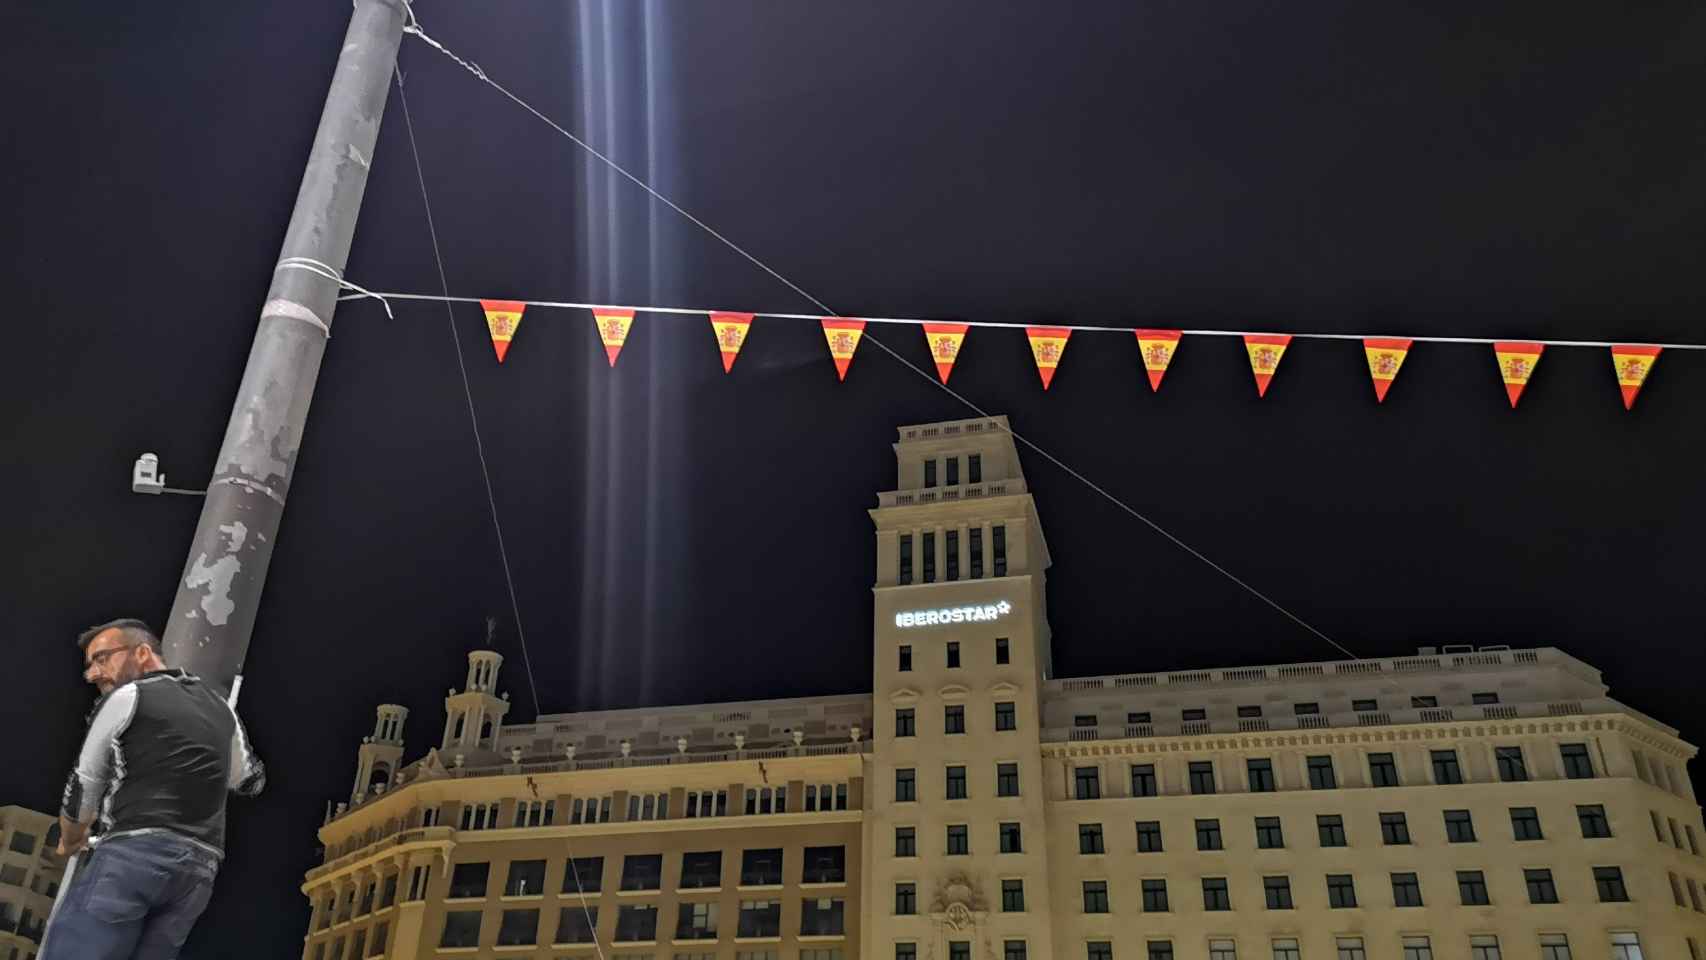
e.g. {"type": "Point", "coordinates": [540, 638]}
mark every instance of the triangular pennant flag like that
{"type": "Point", "coordinates": [1632, 364]}
{"type": "Point", "coordinates": [612, 324]}
{"type": "Point", "coordinates": [503, 317]}
{"type": "Point", "coordinates": [1384, 359]}
{"type": "Point", "coordinates": [1047, 346]}
{"type": "Point", "coordinates": [944, 340]}
{"type": "Point", "coordinates": [843, 336]}
{"type": "Point", "coordinates": [1517, 360]}
{"type": "Point", "coordinates": [731, 329]}
{"type": "Point", "coordinates": [1157, 347]}
{"type": "Point", "coordinates": [1265, 351]}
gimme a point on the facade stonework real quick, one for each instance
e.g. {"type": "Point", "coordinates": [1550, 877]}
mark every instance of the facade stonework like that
{"type": "Point", "coordinates": [1461, 803]}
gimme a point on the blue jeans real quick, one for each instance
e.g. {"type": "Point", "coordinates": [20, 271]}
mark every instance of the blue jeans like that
{"type": "Point", "coordinates": [133, 898]}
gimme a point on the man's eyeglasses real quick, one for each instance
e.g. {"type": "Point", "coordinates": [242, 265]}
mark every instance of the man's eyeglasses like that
{"type": "Point", "coordinates": [100, 659]}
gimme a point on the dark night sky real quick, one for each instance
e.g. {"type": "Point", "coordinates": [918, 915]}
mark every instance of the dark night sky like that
{"type": "Point", "coordinates": [682, 536]}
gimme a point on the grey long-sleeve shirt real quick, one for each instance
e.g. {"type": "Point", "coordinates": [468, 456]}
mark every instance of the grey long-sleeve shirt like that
{"type": "Point", "coordinates": [161, 753]}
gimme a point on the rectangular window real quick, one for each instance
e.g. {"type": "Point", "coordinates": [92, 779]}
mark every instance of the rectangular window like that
{"type": "Point", "coordinates": [1010, 838]}
{"type": "Point", "coordinates": [905, 559]}
{"type": "Point", "coordinates": [1445, 765]}
{"type": "Point", "coordinates": [1406, 890]}
{"type": "Point", "coordinates": [1658, 826]}
{"type": "Point", "coordinates": [1306, 709]}
{"type": "Point", "coordinates": [1512, 769]}
{"type": "Point", "coordinates": [1577, 764]}
{"type": "Point", "coordinates": [1365, 706]}
{"type": "Point", "coordinates": [526, 879]}
{"type": "Point", "coordinates": [1006, 716]}
{"type": "Point", "coordinates": [956, 783]}
{"type": "Point", "coordinates": [974, 547]}
{"type": "Point", "coordinates": [1006, 779]}
{"type": "Point", "coordinates": [1483, 698]}
{"type": "Point", "coordinates": [1472, 888]}
{"type": "Point", "coordinates": [1609, 882]}
{"type": "Point", "coordinates": [905, 841]}
{"type": "Point", "coordinates": [1261, 775]}
{"type": "Point", "coordinates": [929, 473]}
{"type": "Point", "coordinates": [1215, 895]}
{"type": "Point", "coordinates": [1208, 835]}
{"type": "Point", "coordinates": [1417, 948]}
{"type": "Point", "coordinates": [1484, 947]}
{"type": "Point", "coordinates": [1625, 946]}
{"type": "Point", "coordinates": [1459, 827]}
{"type": "Point", "coordinates": [696, 921]}
{"type": "Point", "coordinates": [823, 917]}
{"type": "Point", "coordinates": [1287, 950]}
{"type": "Point", "coordinates": [1012, 896]}
{"type": "Point", "coordinates": [1099, 950]}
{"type": "Point", "coordinates": [1084, 720]}
{"type": "Point", "coordinates": [998, 546]}
{"type": "Point", "coordinates": [1278, 892]}
{"type": "Point", "coordinates": [461, 929]}
{"type": "Point", "coordinates": [953, 654]}
{"type": "Point", "coordinates": [1394, 829]}
{"type": "Point", "coordinates": [760, 868]}
{"type": "Point", "coordinates": [952, 549]}
{"type": "Point", "coordinates": [1143, 780]}
{"type": "Point", "coordinates": [1090, 838]}
{"type": "Point", "coordinates": [1095, 896]}
{"type": "Point", "coordinates": [469, 880]}
{"type": "Point", "coordinates": [1268, 834]}
{"type": "Point", "coordinates": [1540, 886]}
{"type": "Point", "coordinates": [1675, 835]}
{"type": "Point", "coordinates": [929, 556]}
{"type": "Point", "coordinates": [1148, 836]}
{"type": "Point", "coordinates": [1525, 824]}
{"type": "Point", "coordinates": [959, 840]}
{"type": "Point", "coordinates": [1202, 776]}
{"type": "Point", "coordinates": [1160, 950]}
{"type": "Point", "coordinates": [1594, 824]}
{"type": "Point", "coordinates": [1350, 948]}
{"type": "Point", "coordinates": [905, 724]}
{"type": "Point", "coordinates": [954, 715]}
{"type": "Point", "coordinates": [1193, 715]}
{"type": "Point", "coordinates": [1341, 892]}
{"type": "Point", "coordinates": [953, 464]}
{"type": "Point", "coordinates": [1155, 896]}
{"type": "Point", "coordinates": [905, 658]}
{"type": "Point", "coordinates": [1554, 946]}
{"type": "Point", "coordinates": [1382, 771]}
{"type": "Point", "coordinates": [643, 872]}
{"type": "Point", "coordinates": [1321, 776]}
{"type": "Point", "coordinates": [760, 918]}
{"type": "Point", "coordinates": [974, 468]}
{"type": "Point", "coordinates": [905, 785]}
{"type": "Point", "coordinates": [576, 924]}
{"type": "Point", "coordinates": [824, 865]}
{"type": "Point", "coordinates": [1003, 651]}
{"type": "Point", "coordinates": [1423, 703]}
{"type": "Point", "coordinates": [1222, 950]}
{"type": "Point", "coordinates": [1013, 950]}
{"type": "Point", "coordinates": [1251, 711]}
{"type": "Point", "coordinates": [959, 950]}
{"type": "Point", "coordinates": [1331, 827]}
{"type": "Point", "coordinates": [1693, 847]}
{"type": "Point", "coordinates": [1087, 783]}
{"type": "Point", "coordinates": [377, 949]}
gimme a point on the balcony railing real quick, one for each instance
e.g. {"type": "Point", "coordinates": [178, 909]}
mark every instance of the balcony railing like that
{"type": "Point", "coordinates": [964, 491]}
{"type": "Point", "coordinates": [1444, 662]}
{"type": "Point", "coordinates": [1319, 721]}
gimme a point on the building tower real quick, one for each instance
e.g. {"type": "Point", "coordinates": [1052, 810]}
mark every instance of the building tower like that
{"type": "Point", "coordinates": [473, 716]}
{"type": "Point", "coordinates": [380, 754]}
{"type": "Point", "coordinates": [962, 649]}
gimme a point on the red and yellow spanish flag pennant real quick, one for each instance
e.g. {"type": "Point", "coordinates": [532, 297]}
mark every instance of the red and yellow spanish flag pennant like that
{"type": "Point", "coordinates": [944, 340]}
{"type": "Point", "coordinates": [1517, 360]}
{"type": "Point", "coordinates": [612, 324]}
{"type": "Point", "coordinates": [731, 330]}
{"type": "Point", "coordinates": [1265, 351]}
{"type": "Point", "coordinates": [1157, 347]}
{"type": "Point", "coordinates": [1632, 364]}
{"type": "Point", "coordinates": [843, 336]}
{"type": "Point", "coordinates": [502, 319]}
{"type": "Point", "coordinates": [1384, 358]}
{"type": "Point", "coordinates": [1047, 346]}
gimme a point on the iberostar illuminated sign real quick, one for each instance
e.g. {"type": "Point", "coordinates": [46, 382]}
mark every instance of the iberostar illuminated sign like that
{"type": "Point", "coordinates": [947, 615]}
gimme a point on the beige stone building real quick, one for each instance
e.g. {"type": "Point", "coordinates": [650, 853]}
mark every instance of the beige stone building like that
{"type": "Point", "coordinates": [29, 879]}
{"type": "Point", "coordinates": [1470, 804]}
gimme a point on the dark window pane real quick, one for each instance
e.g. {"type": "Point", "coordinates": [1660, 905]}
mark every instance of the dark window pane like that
{"type": "Point", "coordinates": [760, 868]}
{"type": "Point", "coordinates": [643, 871]}
{"type": "Point", "coordinates": [469, 879]}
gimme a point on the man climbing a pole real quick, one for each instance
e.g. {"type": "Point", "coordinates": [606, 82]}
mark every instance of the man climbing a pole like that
{"type": "Point", "coordinates": [162, 750]}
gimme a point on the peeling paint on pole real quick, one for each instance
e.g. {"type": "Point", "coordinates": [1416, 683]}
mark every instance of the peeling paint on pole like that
{"type": "Point", "coordinates": [214, 613]}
